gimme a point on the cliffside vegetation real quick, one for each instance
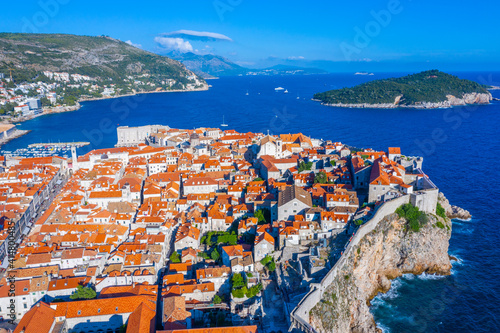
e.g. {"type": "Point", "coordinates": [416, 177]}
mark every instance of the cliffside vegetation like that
{"type": "Point", "coordinates": [416, 219]}
{"type": "Point", "coordinates": [428, 86]}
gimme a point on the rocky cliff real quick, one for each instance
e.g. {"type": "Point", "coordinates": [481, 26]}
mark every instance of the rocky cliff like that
{"type": "Point", "coordinates": [467, 99]}
{"type": "Point", "coordinates": [472, 98]}
{"type": "Point", "coordinates": [453, 212]}
{"type": "Point", "coordinates": [389, 251]}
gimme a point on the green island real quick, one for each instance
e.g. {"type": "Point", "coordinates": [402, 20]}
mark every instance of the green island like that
{"type": "Point", "coordinates": [428, 89]}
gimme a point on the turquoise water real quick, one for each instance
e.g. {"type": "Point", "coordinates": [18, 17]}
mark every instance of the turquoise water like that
{"type": "Point", "coordinates": [459, 145]}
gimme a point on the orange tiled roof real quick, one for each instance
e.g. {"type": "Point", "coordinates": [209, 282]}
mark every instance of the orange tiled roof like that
{"type": "Point", "coordinates": [38, 319]}
{"type": "Point", "coordinates": [233, 329]}
{"type": "Point", "coordinates": [102, 306]}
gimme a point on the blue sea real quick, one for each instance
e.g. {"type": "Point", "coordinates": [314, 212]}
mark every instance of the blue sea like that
{"type": "Point", "coordinates": [459, 146]}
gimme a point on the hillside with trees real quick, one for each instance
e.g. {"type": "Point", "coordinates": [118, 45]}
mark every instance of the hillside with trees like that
{"type": "Point", "coordinates": [429, 86]}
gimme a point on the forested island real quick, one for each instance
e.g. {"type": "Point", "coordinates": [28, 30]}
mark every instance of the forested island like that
{"type": "Point", "coordinates": [428, 89]}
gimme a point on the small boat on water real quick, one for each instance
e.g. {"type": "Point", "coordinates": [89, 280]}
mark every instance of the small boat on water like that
{"type": "Point", "coordinates": [279, 89]}
{"type": "Point", "coordinates": [247, 93]}
{"type": "Point", "coordinates": [223, 122]}
{"type": "Point", "coordinates": [285, 92]}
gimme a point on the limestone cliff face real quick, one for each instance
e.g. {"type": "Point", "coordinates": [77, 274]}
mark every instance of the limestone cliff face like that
{"type": "Point", "coordinates": [466, 99]}
{"type": "Point", "coordinates": [453, 212]}
{"type": "Point", "coordinates": [472, 98]}
{"type": "Point", "coordinates": [387, 252]}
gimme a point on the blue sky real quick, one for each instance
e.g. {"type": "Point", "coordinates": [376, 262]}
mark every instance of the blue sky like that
{"type": "Point", "coordinates": [457, 34]}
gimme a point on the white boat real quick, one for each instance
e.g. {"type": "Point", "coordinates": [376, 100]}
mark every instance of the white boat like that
{"type": "Point", "coordinates": [223, 123]}
{"type": "Point", "coordinates": [279, 88]}
{"type": "Point", "coordinates": [285, 92]}
{"type": "Point", "coordinates": [247, 93]}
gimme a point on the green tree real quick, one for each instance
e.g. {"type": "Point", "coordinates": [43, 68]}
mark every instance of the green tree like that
{"type": "Point", "coordinates": [254, 290]}
{"type": "Point", "coordinates": [45, 101]}
{"type": "Point", "coordinates": [175, 257]}
{"type": "Point", "coordinates": [240, 292]}
{"type": "Point", "coordinates": [320, 178]}
{"type": "Point", "coordinates": [263, 216]}
{"type": "Point", "coordinates": [303, 166]}
{"type": "Point", "coordinates": [260, 216]}
{"type": "Point", "coordinates": [237, 280]}
{"type": "Point", "coordinates": [83, 293]}
{"type": "Point", "coordinates": [271, 266]}
{"type": "Point", "coordinates": [215, 255]}
{"type": "Point", "coordinates": [266, 260]}
{"type": "Point", "coordinates": [413, 215]}
{"type": "Point", "coordinates": [217, 299]}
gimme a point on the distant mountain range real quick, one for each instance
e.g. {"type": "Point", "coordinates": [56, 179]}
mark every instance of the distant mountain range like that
{"type": "Point", "coordinates": [210, 66]}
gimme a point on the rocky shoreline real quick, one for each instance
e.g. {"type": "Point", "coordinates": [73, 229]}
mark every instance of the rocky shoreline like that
{"type": "Point", "coordinates": [16, 134]}
{"type": "Point", "coordinates": [385, 253]}
{"type": "Point", "coordinates": [388, 252]}
{"type": "Point", "coordinates": [78, 106]}
{"type": "Point", "coordinates": [453, 212]}
{"type": "Point", "coordinates": [467, 99]}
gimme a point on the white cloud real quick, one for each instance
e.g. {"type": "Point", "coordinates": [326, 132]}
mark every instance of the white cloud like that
{"type": "Point", "coordinates": [129, 42]}
{"type": "Point", "coordinates": [244, 63]}
{"type": "Point", "coordinates": [177, 44]}
{"type": "Point", "coordinates": [197, 35]}
{"type": "Point", "coordinates": [295, 58]}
